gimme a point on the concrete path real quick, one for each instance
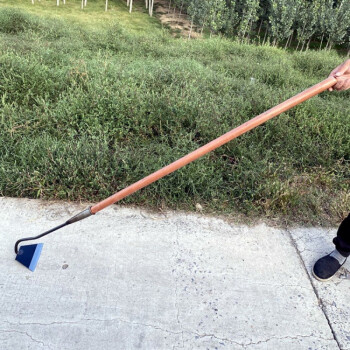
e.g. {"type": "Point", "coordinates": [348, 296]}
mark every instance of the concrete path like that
{"type": "Point", "coordinates": [129, 279]}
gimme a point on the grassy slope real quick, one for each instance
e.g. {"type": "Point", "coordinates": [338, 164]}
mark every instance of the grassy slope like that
{"type": "Point", "coordinates": [93, 16]}
{"type": "Point", "coordinates": [93, 101]}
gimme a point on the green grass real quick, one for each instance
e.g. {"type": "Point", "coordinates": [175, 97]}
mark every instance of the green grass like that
{"type": "Point", "coordinates": [93, 16]}
{"type": "Point", "coordinates": [92, 102]}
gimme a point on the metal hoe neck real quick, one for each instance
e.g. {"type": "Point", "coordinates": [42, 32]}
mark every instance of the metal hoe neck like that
{"type": "Point", "coordinates": [82, 215]}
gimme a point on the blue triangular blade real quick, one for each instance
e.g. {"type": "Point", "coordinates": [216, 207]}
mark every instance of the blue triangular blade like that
{"type": "Point", "coordinates": [28, 255]}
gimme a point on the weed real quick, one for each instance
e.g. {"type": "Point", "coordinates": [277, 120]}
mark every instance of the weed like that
{"type": "Point", "coordinates": [88, 109]}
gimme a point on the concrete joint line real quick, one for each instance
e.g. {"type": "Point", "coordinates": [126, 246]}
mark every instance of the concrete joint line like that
{"type": "Point", "coordinates": [320, 302]}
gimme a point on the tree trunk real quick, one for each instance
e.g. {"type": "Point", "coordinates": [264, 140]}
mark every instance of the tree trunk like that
{"type": "Point", "coordinates": [169, 6]}
{"type": "Point", "coordinates": [308, 44]}
{"type": "Point", "coordinates": [58, 2]}
{"type": "Point", "coordinates": [258, 35]}
{"type": "Point", "coordinates": [302, 47]}
{"type": "Point", "coordinates": [182, 4]}
{"type": "Point", "coordinates": [242, 35]}
{"type": "Point", "coordinates": [106, 7]}
{"type": "Point", "coordinates": [130, 6]}
{"type": "Point", "coordinates": [265, 35]}
{"type": "Point", "coordinates": [321, 41]}
{"type": "Point", "coordinates": [249, 32]}
{"type": "Point", "coordinates": [82, 4]}
{"type": "Point", "coordinates": [302, 33]}
{"type": "Point", "coordinates": [289, 41]}
{"type": "Point", "coordinates": [146, 4]}
{"type": "Point", "coordinates": [85, 3]}
{"type": "Point", "coordinates": [128, 3]}
{"type": "Point", "coordinates": [190, 33]}
{"type": "Point", "coordinates": [33, 2]}
{"type": "Point", "coordinates": [260, 27]}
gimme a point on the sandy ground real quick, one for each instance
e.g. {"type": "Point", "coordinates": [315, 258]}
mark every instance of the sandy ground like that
{"type": "Point", "coordinates": [180, 23]}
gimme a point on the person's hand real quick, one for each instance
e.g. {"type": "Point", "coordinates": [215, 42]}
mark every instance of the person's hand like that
{"type": "Point", "coordinates": [342, 74]}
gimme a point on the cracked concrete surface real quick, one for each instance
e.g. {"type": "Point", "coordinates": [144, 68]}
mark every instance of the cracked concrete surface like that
{"type": "Point", "coordinates": [129, 279]}
{"type": "Point", "coordinates": [333, 296]}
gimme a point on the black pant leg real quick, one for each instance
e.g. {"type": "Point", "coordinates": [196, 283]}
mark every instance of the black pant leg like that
{"type": "Point", "coordinates": [342, 241]}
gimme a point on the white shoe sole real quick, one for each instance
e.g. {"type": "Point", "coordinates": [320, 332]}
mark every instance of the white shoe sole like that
{"type": "Point", "coordinates": [321, 279]}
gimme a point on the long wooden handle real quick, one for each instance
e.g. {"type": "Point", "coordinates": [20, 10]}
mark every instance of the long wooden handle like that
{"type": "Point", "coordinates": [249, 125]}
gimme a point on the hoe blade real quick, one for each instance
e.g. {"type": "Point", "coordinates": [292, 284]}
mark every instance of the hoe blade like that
{"type": "Point", "coordinates": [28, 255]}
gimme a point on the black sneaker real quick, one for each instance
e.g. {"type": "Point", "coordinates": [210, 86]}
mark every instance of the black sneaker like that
{"type": "Point", "coordinates": [326, 267]}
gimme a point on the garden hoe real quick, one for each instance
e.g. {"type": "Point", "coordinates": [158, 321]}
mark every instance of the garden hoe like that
{"type": "Point", "coordinates": [28, 255]}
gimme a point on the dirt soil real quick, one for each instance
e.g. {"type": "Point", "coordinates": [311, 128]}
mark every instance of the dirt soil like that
{"type": "Point", "coordinates": [179, 23]}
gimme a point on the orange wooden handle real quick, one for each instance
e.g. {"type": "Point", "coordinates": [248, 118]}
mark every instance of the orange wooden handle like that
{"type": "Point", "coordinates": [249, 125]}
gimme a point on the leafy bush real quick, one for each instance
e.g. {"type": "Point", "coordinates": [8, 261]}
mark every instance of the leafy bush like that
{"type": "Point", "coordinates": [14, 21]}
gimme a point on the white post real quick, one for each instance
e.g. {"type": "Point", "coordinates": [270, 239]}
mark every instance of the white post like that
{"type": "Point", "coordinates": [150, 10]}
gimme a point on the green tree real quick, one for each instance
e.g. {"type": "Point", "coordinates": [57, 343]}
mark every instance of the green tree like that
{"type": "Point", "coordinates": [324, 16]}
{"type": "Point", "coordinates": [210, 13]}
{"type": "Point", "coordinates": [339, 23]}
{"type": "Point", "coordinates": [232, 18]}
{"type": "Point", "coordinates": [308, 15]}
{"type": "Point", "coordinates": [248, 12]}
{"type": "Point", "coordinates": [217, 15]}
{"type": "Point", "coordinates": [197, 11]}
{"type": "Point", "coordinates": [282, 18]}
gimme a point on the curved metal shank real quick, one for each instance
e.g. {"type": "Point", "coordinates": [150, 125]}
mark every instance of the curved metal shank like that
{"type": "Point", "coordinates": [82, 215]}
